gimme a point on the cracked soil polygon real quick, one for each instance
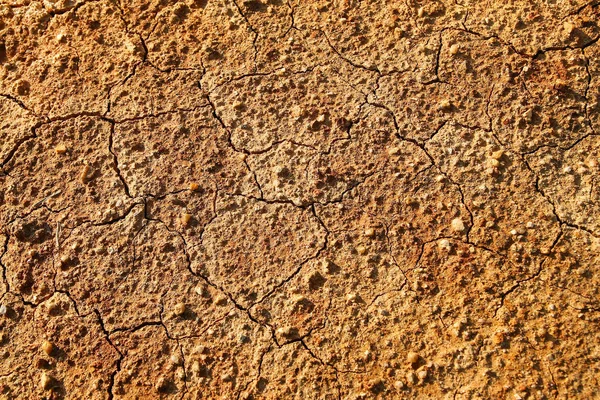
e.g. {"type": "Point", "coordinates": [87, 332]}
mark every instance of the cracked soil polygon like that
{"type": "Point", "coordinates": [227, 359]}
{"type": "Point", "coordinates": [70, 60]}
{"type": "Point", "coordinates": [269, 199]}
{"type": "Point", "coordinates": [534, 27]}
{"type": "Point", "coordinates": [163, 154]}
{"type": "Point", "coordinates": [151, 92]}
{"type": "Point", "coordinates": [78, 361]}
{"type": "Point", "coordinates": [252, 247]}
{"type": "Point", "coordinates": [71, 168]}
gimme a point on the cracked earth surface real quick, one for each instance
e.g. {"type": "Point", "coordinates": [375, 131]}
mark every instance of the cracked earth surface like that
{"type": "Point", "coordinates": [269, 199]}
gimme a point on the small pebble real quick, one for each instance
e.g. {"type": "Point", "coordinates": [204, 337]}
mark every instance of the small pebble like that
{"type": "Point", "coordinates": [226, 377]}
{"type": "Point", "coordinates": [591, 163]}
{"type": "Point", "coordinates": [186, 218]}
{"type": "Point", "coordinates": [64, 261]}
{"type": "Point", "coordinates": [83, 177]}
{"type": "Point", "coordinates": [199, 290]}
{"type": "Point", "coordinates": [351, 297]}
{"type": "Point", "coordinates": [298, 299]}
{"type": "Point", "coordinates": [196, 366]}
{"type": "Point", "coordinates": [498, 338]}
{"type": "Point", "coordinates": [422, 374]}
{"type": "Point", "coordinates": [445, 244]}
{"type": "Point", "coordinates": [393, 151]}
{"type": "Point", "coordinates": [60, 149]}
{"type": "Point", "coordinates": [179, 309]}
{"type": "Point", "coordinates": [328, 266]}
{"type": "Point", "coordinates": [530, 225]}
{"type": "Point", "coordinates": [194, 186]}
{"type": "Point", "coordinates": [131, 47]}
{"type": "Point", "coordinates": [287, 331]}
{"type": "Point", "coordinates": [2, 309]}
{"type": "Point", "coordinates": [221, 300]}
{"type": "Point", "coordinates": [454, 49]}
{"type": "Point", "coordinates": [161, 384]}
{"type": "Point", "coordinates": [412, 357]}
{"type": "Point", "coordinates": [46, 381]}
{"type": "Point", "coordinates": [445, 105]}
{"type": "Point", "coordinates": [545, 250]}
{"type": "Point", "coordinates": [47, 347]}
{"type": "Point", "coordinates": [399, 385]}
{"type": "Point", "coordinates": [369, 232]}
{"type": "Point", "coordinates": [362, 250]}
{"type": "Point", "coordinates": [458, 225]}
{"type": "Point", "coordinates": [569, 27]}
{"type": "Point", "coordinates": [498, 154]}
{"type": "Point", "coordinates": [175, 359]}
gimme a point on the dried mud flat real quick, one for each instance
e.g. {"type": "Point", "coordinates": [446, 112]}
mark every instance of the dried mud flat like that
{"type": "Point", "coordinates": [276, 199]}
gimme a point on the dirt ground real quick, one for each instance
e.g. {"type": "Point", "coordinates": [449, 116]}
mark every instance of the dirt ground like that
{"type": "Point", "coordinates": [269, 199]}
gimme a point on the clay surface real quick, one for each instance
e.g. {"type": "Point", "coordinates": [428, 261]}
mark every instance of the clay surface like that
{"type": "Point", "coordinates": [271, 199]}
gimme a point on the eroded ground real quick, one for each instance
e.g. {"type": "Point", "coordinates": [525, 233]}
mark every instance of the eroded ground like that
{"type": "Point", "coordinates": [267, 199]}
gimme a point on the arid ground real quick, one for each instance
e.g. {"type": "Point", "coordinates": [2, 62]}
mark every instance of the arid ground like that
{"type": "Point", "coordinates": [270, 199]}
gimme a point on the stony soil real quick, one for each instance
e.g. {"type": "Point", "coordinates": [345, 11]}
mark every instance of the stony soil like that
{"type": "Point", "coordinates": [268, 199]}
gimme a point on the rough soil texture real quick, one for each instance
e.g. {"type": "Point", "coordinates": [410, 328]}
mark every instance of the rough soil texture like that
{"type": "Point", "coordinates": [269, 199]}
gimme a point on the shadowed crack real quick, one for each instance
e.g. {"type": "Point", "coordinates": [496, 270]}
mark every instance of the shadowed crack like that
{"type": "Point", "coordinates": [18, 102]}
{"type": "Point", "coordinates": [116, 160]}
{"type": "Point", "coordinates": [4, 251]}
{"type": "Point", "coordinates": [423, 147]}
{"type": "Point", "coordinates": [436, 79]}
{"type": "Point", "coordinates": [347, 60]}
{"type": "Point", "coordinates": [258, 373]}
{"type": "Point", "coordinates": [292, 19]}
{"type": "Point", "coordinates": [589, 42]}
{"type": "Point", "coordinates": [111, 381]}
{"type": "Point", "coordinates": [533, 276]}
{"type": "Point", "coordinates": [253, 29]}
{"type": "Point", "coordinates": [72, 9]}
{"type": "Point", "coordinates": [561, 220]}
{"type": "Point", "coordinates": [15, 148]}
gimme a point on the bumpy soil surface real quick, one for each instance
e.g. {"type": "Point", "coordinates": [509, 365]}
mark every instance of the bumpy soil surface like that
{"type": "Point", "coordinates": [268, 199]}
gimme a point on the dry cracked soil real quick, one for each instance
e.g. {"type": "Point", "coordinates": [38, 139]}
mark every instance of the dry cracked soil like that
{"type": "Point", "coordinates": [285, 199]}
